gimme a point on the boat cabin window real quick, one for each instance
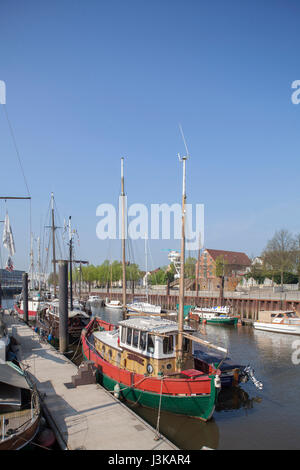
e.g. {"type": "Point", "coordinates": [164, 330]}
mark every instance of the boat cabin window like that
{"type": "Point", "coordinates": [129, 335]}
{"type": "Point", "coordinates": [168, 345]}
{"type": "Point", "coordinates": [150, 346]}
{"type": "Point", "coordinates": [143, 340]}
{"type": "Point", "coordinates": [135, 338]}
{"type": "Point", "coordinates": [185, 345]}
{"type": "Point", "coordinates": [124, 334]}
{"type": "Point", "coordinates": [280, 315]}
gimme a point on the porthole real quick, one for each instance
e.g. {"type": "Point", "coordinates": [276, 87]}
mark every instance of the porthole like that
{"type": "Point", "coordinates": [169, 366]}
{"type": "Point", "coordinates": [149, 369]}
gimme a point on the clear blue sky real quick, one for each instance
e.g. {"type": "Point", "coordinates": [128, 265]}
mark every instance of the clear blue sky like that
{"type": "Point", "coordinates": [90, 81]}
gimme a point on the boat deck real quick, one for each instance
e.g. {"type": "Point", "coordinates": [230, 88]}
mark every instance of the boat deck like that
{"type": "Point", "coordinates": [83, 417]}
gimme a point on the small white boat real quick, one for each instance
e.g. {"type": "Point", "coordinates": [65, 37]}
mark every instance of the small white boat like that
{"type": "Point", "coordinates": [278, 321]}
{"type": "Point", "coordinates": [77, 305]}
{"type": "Point", "coordinates": [113, 304]}
{"type": "Point", "coordinates": [144, 307]}
{"type": "Point", "coordinates": [94, 298]}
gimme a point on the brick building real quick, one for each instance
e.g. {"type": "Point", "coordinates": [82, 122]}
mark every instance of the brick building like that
{"type": "Point", "coordinates": [235, 265]}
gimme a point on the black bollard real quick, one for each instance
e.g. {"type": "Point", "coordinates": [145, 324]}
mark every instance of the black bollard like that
{"type": "Point", "coordinates": [25, 297]}
{"type": "Point", "coordinates": [63, 306]}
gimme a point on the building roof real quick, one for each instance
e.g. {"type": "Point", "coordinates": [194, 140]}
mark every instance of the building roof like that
{"type": "Point", "coordinates": [232, 257]}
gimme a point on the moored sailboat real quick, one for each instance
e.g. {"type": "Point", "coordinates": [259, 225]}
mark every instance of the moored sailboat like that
{"type": "Point", "coordinates": [35, 303]}
{"type": "Point", "coordinates": [47, 321]}
{"type": "Point", "coordinates": [150, 360]}
{"type": "Point", "coordinates": [138, 361]}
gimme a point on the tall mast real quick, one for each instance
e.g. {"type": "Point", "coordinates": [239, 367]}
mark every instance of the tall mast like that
{"type": "Point", "coordinates": [70, 263]}
{"type": "Point", "coordinates": [111, 276]}
{"type": "Point", "coordinates": [198, 266]}
{"type": "Point", "coordinates": [146, 261]}
{"type": "Point", "coordinates": [53, 244]}
{"type": "Point", "coordinates": [39, 263]}
{"type": "Point", "coordinates": [182, 260]}
{"type": "Point", "coordinates": [123, 237]}
{"type": "Point", "coordinates": [31, 262]}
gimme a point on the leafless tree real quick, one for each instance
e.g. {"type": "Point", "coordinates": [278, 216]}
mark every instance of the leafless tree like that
{"type": "Point", "coordinates": [280, 252]}
{"type": "Point", "coordinates": [297, 257]}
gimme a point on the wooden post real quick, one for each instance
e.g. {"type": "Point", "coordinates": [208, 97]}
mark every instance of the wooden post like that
{"type": "Point", "coordinates": [53, 243]}
{"type": "Point", "coordinates": [70, 263]}
{"type": "Point", "coordinates": [25, 297]}
{"type": "Point", "coordinates": [221, 296]}
{"type": "Point", "coordinates": [63, 306]}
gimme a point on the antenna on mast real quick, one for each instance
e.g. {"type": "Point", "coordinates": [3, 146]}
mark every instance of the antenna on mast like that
{"type": "Point", "coordinates": [184, 141]}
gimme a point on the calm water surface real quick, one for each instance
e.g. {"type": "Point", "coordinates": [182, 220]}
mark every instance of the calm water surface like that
{"type": "Point", "coordinates": [245, 418]}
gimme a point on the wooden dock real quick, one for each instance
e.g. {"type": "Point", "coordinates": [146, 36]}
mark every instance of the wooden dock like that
{"type": "Point", "coordinates": [86, 417]}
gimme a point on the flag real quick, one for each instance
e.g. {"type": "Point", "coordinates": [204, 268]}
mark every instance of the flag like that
{"type": "Point", "coordinates": [9, 264]}
{"type": "Point", "coordinates": [8, 239]}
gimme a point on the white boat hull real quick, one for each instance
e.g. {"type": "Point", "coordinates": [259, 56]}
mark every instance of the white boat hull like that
{"type": "Point", "coordinates": [144, 307]}
{"type": "Point", "coordinates": [94, 300]}
{"type": "Point", "coordinates": [114, 306]}
{"type": "Point", "coordinates": [278, 328]}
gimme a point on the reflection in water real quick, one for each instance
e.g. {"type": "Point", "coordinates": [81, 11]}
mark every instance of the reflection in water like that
{"type": "Point", "coordinates": [186, 433]}
{"type": "Point", "coordinates": [107, 314]}
{"type": "Point", "coordinates": [234, 398]}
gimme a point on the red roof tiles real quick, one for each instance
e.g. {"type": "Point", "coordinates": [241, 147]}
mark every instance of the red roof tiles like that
{"type": "Point", "coordinates": [232, 257]}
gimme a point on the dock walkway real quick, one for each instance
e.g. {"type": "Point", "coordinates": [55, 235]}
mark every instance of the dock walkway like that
{"type": "Point", "coordinates": [86, 417]}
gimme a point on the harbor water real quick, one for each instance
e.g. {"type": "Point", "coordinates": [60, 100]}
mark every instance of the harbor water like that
{"type": "Point", "coordinates": [245, 417]}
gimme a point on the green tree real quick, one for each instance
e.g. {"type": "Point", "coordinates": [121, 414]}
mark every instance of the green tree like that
{"type": "Point", "coordinates": [158, 277]}
{"type": "Point", "coordinates": [52, 278]}
{"type": "Point", "coordinates": [297, 257]}
{"type": "Point", "coordinates": [190, 268]}
{"type": "Point", "coordinates": [89, 275]}
{"type": "Point", "coordinates": [116, 271]}
{"type": "Point", "coordinates": [133, 272]}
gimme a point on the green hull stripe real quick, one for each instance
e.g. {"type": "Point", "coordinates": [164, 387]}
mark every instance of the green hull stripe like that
{"type": "Point", "coordinates": [222, 322]}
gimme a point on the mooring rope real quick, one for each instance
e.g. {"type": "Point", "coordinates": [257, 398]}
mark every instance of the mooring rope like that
{"type": "Point", "coordinates": [157, 435]}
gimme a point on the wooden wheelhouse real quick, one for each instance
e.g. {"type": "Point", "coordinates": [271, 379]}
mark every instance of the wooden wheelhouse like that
{"type": "Point", "coordinates": [145, 346]}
